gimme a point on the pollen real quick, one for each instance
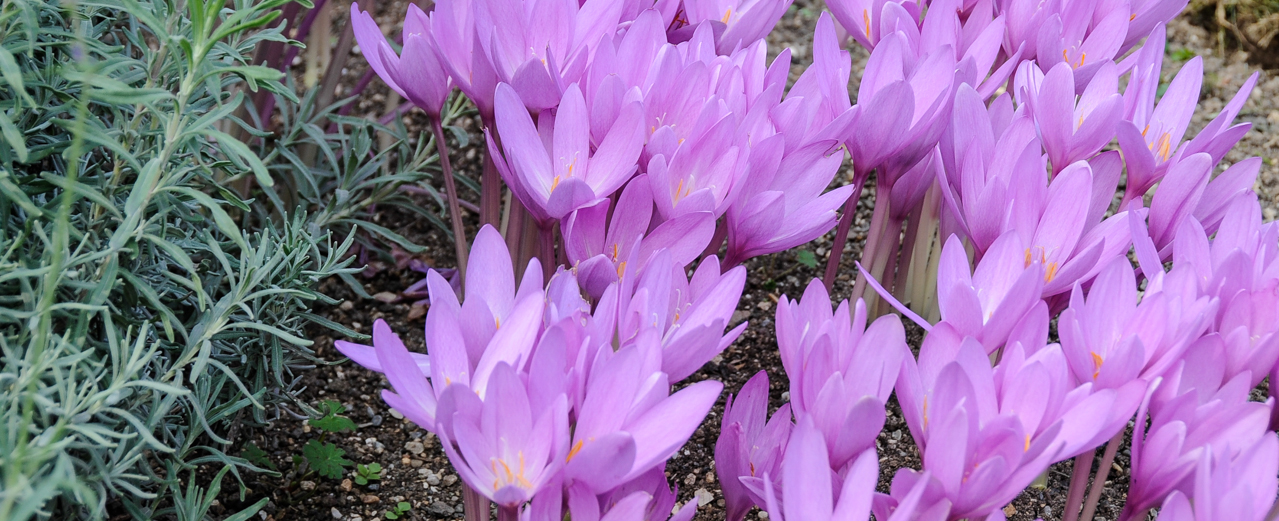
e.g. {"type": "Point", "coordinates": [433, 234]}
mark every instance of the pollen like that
{"type": "Point", "coordinates": [866, 20]}
{"type": "Point", "coordinates": [1082, 56]}
{"type": "Point", "coordinates": [577, 447]}
{"type": "Point", "coordinates": [1132, 17]}
{"type": "Point", "coordinates": [1026, 447]}
{"type": "Point", "coordinates": [497, 322]}
{"type": "Point", "coordinates": [555, 183]}
{"type": "Point", "coordinates": [621, 269]}
{"type": "Point", "coordinates": [1096, 363]}
{"type": "Point", "coordinates": [614, 252]}
{"type": "Point", "coordinates": [727, 14]}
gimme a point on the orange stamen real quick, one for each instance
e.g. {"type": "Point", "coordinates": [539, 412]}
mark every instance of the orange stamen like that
{"type": "Point", "coordinates": [727, 14]}
{"type": "Point", "coordinates": [577, 447]}
{"type": "Point", "coordinates": [1096, 362]}
{"type": "Point", "coordinates": [866, 21]}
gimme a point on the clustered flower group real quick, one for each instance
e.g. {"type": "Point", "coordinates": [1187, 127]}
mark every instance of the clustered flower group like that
{"type": "Point", "coordinates": [639, 138]}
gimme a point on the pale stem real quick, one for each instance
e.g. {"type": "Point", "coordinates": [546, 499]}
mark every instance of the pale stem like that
{"type": "Point", "coordinates": [1099, 482]}
{"type": "Point", "coordinates": [1078, 481]}
{"type": "Point", "coordinates": [906, 263]}
{"type": "Point", "coordinates": [450, 188]}
{"type": "Point", "coordinates": [841, 234]}
{"type": "Point", "coordinates": [490, 182]}
{"type": "Point", "coordinates": [475, 505]}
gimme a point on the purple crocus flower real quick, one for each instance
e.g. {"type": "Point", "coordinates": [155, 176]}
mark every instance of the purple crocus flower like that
{"type": "Point", "coordinates": [986, 433]}
{"type": "Point", "coordinates": [500, 444]}
{"type": "Point", "coordinates": [745, 21]}
{"type": "Point", "coordinates": [862, 18]}
{"type": "Point", "coordinates": [1190, 410]}
{"type": "Point", "coordinates": [458, 46]}
{"type": "Point", "coordinates": [416, 74]}
{"type": "Point", "coordinates": [1072, 130]}
{"type": "Point", "coordinates": [1150, 138]}
{"type": "Point", "coordinates": [1238, 489]}
{"type": "Point", "coordinates": [1072, 36]}
{"type": "Point", "coordinates": [987, 304]}
{"type": "Point", "coordinates": [808, 487]}
{"type": "Point", "coordinates": [688, 315]}
{"type": "Point", "coordinates": [539, 47]}
{"type": "Point", "coordinates": [748, 448]}
{"type": "Point", "coordinates": [602, 256]}
{"type": "Point", "coordinates": [646, 498]}
{"type": "Point", "coordinates": [555, 176]}
{"type": "Point", "coordinates": [1219, 136]}
{"type": "Point", "coordinates": [1111, 339]}
{"type": "Point", "coordinates": [627, 424]}
{"type": "Point", "coordinates": [841, 372]}
{"type": "Point", "coordinates": [786, 207]}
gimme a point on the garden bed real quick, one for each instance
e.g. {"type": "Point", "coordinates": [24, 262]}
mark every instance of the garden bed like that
{"type": "Point", "coordinates": [415, 469]}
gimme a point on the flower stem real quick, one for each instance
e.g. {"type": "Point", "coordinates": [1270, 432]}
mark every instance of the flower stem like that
{"type": "Point", "coordinates": [874, 236]}
{"type": "Point", "coordinates": [1099, 482]}
{"type": "Point", "coordinates": [450, 187]}
{"type": "Point", "coordinates": [841, 234]}
{"type": "Point", "coordinates": [905, 265]}
{"type": "Point", "coordinates": [546, 250]}
{"type": "Point", "coordinates": [505, 513]}
{"type": "Point", "coordinates": [1078, 480]}
{"type": "Point", "coordinates": [475, 506]}
{"type": "Point", "coordinates": [490, 182]}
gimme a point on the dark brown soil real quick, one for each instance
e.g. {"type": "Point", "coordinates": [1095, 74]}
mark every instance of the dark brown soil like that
{"type": "Point", "coordinates": [415, 469]}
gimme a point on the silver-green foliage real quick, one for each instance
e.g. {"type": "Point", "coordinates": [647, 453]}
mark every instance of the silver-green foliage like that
{"type": "Point", "coordinates": [146, 309]}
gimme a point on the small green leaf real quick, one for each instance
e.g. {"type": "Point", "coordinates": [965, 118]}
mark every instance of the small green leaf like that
{"type": "Point", "coordinates": [325, 458]}
{"type": "Point", "coordinates": [331, 419]}
{"type": "Point", "coordinates": [806, 258]}
{"type": "Point", "coordinates": [256, 456]}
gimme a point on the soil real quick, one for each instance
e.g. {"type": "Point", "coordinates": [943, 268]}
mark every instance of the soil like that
{"type": "Point", "coordinates": [416, 470]}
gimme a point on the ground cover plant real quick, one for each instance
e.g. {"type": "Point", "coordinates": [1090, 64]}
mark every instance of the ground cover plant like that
{"type": "Point", "coordinates": [1084, 271]}
{"type": "Point", "coordinates": [161, 248]}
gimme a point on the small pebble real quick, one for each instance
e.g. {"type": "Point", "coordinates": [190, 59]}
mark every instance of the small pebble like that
{"type": "Point", "coordinates": [415, 447]}
{"type": "Point", "coordinates": [346, 306]}
{"type": "Point", "coordinates": [369, 499]}
{"type": "Point", "coordinates": [704, 497]}
{"type": "Point", "coordinates": [396, 414]}
{"type": "Point", "coordinates": [337, 514]}
{"type": "Point", "coordinates": [764, 305]}
{"type": "Point", "coordinates": [449, 479]}
{"type": "Point", "coordinates": [431, 478]}
{"type": "Point", "coordinates": [440, 508]}
{"type": "Point", "coordinates": [690, 479]}
{"type": "Point", "coordinates": [308, 485]}
{"type": "Point", "coordinates": [385, 296]}
{"type": "Point", "coordinates": [346, 485]}
{"type": "Point", "coordinates": [763, 514]}
{"type": "Point", "coordinates": [1010, 510]}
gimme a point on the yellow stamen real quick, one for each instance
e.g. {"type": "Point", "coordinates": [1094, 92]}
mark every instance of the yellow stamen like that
{"type": "Point", "coordinates": [925, 413]}
{"type": "Point", "coordinates": [1027, 446]}
{"type": "Point", "coordinates": [621, 269]}
{"type": "Point", "coordinates": [614, 252]}
{"type": "Point", "coordinates": [1096, 363]}
{"type": "Point", "coordinates": [1082, 56]}
{"type": "Point", "coordinates": [497, 321]}
{"type": "Point", "coordinates": [866, 20]}
{"type": "Point", "coordinates": [727, 14]}
{"type": "Point", "coordinates": [1165, 147]}
{"type": "Point", "coordinates": [1144, 130]}
{"type": "Point", "coordinates": [1132, 17]}
{"type": "Point", "coordinates": [577, 447]}
{"type": "Point", "coordinates": [1050, 273]}
{"type": "Point", "coordinates": [1064, 56]}
{"type": "Point", "coordinates": [1027, 264]}
{"type": "Point", "coordinates": [555, 183]}
{"type": "Point", "coordinates": [679, 191]}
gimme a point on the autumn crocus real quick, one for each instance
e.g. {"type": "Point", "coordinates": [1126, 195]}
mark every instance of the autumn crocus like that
{"type": "Point", "coordinates": [1151, 137]}
{"type": "Point", "coordinates": [418, 75]}
{"type": "Point", "coordinates": [1242, 488]}
{"type": "Point", "coordinates": [748, 448]}
{"type": "Point", "coordinates": [841, 371]}
{"type": "Point", "coordinates": [628, 424]}
{"type": "Point", "coordinates": [688, 315]}
{"type": "Point", "coordinates": [807, 491]}
{"type": "Point", "coordinates": [561, 174]}
{"type": "Point", "coordinates": [601, 255]}
{"type": "Point", "coordinates": [1192, 409]}
{"type": "Point", "coordinates": [1073, 129]}
{"type": "Point", "coordinates": [986, 433]}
